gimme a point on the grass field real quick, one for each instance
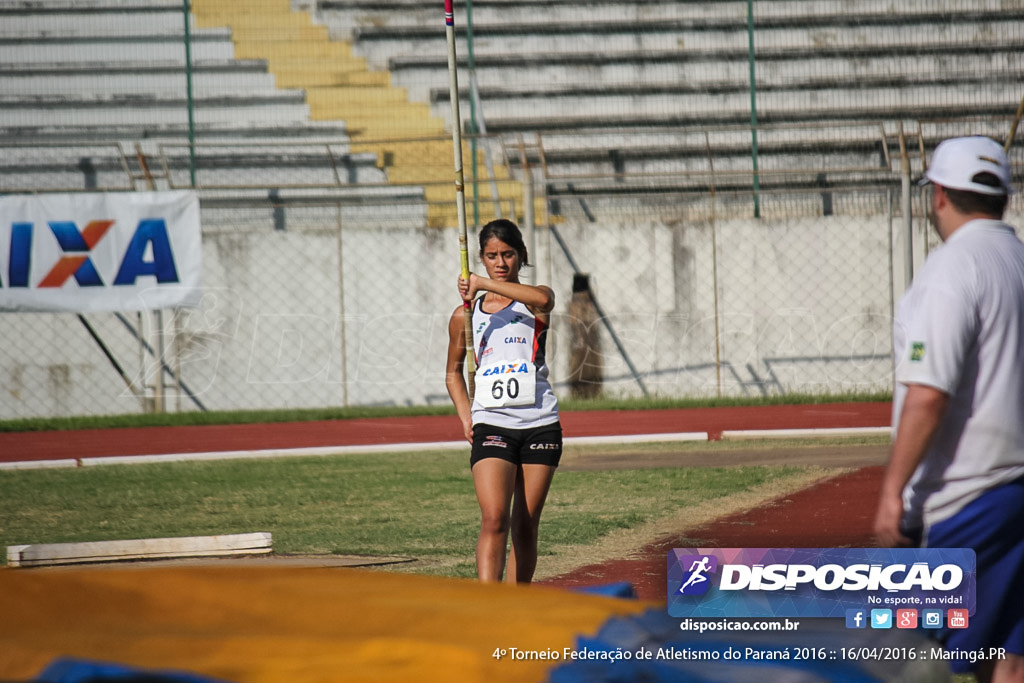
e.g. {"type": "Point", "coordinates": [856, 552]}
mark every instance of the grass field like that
{"type": "Point", "coordinates": [417, 505]}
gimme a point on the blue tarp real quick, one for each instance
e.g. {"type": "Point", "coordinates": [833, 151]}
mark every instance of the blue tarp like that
{"type": "Point", "coordinates": [70, 670]}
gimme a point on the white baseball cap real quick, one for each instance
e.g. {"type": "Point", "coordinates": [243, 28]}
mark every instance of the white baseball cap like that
{"type": "Point", "coordinates": [957, 161]}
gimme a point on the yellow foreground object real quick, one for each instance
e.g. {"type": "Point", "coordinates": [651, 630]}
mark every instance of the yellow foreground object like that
{"type": "Point", "coordinates": [294, 624]}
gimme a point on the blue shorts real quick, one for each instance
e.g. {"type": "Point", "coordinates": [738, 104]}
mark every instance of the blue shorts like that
{"type": "Point", "coordinates": [536, 446]}
{"type": "Point", "coordinates": [993, 525]}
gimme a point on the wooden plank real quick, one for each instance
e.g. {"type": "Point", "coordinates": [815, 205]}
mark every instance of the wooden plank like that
{"type": "Point", "coordinates": [139, 549]}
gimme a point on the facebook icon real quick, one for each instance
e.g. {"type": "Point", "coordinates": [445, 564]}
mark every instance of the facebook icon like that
{"type": "Point", "coordinates": [856, 618]}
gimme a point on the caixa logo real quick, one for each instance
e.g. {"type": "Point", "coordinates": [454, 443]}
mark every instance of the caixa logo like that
{"type": "Point", "coordinates": [506, 368]}
{"type": "Point", "coordinates": [148, 253]}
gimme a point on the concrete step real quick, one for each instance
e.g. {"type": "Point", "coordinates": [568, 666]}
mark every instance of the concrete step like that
{"type": "Point", "coordinates": [345, 16]}
{"type": "Point", "coordinates": [590, 109]}
{"type": "Point", "coordinates": [115, 79]}
{"type": "Point", "coordinates": [349, 96]}
{"type": "Point", "coordinates": [48, 19]}
{"type": "Point", "coordinates": [330, 77]}
{"type": "Point", "coordinates": [151, 111]}
{"type": "Point", "coordinates": [383, 121]}
{"type": "Point", "coordinates": [272, 50]}
{"type": "Point", "coordinates": [426, 78]}
{"type": "Point", "coordinates": [879, 32]}
{"type": "Point", "coordinates": [147, 135]}
{"type": "Point", "coordinates": [995, 77]}
{"type": "Point", "coordinates": [213, 45]}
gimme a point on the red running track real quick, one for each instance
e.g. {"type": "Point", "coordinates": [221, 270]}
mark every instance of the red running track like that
{"type": "Point", "coordinates": [91, 443]}
{"type": "Point", "coordinates": [836, 513]}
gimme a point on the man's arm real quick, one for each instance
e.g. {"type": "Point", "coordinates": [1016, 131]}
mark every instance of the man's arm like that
{"type": "Point", "coordinates": [922, 414]}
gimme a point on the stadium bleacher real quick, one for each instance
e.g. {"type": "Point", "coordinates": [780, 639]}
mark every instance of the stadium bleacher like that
{"type": "Point", "coordinates": [94, 96]}
{"type": "Point", "coordinates": [653, 88]}
{"type": "Point", "coordinates": [845, 69]}
{"type": "Point", "coordinates": [110, 65]}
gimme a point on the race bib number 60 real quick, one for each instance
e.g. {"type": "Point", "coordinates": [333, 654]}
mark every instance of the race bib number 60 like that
{"type": "Point", "coordinates": [502, 385]}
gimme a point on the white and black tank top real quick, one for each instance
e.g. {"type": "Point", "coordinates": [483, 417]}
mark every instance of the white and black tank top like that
{"type": "Point", "coordinates": [512, 388]}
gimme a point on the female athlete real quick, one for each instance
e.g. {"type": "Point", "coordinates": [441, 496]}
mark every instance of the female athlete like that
{"type": "Point", "coordinates": [512, 421]}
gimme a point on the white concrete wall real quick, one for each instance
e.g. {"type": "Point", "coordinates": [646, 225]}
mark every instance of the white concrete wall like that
{"type": "Point", "coordinates": [802, 306]}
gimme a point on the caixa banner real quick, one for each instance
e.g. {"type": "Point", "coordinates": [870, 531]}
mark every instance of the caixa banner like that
{"type": "Point", "coordinates": [817, 582]}
{"type": "Point", "coordinates": [124, 251]}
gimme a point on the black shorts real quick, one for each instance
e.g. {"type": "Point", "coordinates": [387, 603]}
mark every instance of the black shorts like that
{"type": "Point", "coordinates": [536, 446]}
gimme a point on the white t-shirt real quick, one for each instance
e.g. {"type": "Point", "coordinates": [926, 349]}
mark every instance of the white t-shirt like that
{"type": "Point", "coordinates": [960, 329]}
{"type": "Point", "coordinates": [512, 387]}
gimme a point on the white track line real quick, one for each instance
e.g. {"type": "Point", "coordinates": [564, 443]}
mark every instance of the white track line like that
{"type": "Point", "coordinates": [275, 453]}
{"type": "Point", "coordinates": [799, 433]}
{"type": "Point", "coordinates": [637, 438]}
{"type": "Point", "coordinates": [38, 464]}
{"type": "Point", "coordinates": [432, 446]}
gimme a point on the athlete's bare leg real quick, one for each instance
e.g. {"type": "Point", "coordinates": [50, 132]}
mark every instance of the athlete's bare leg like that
{"type": "Point", "coordinates": [532, 485]}
{"type": "Point", "coordinates": [495, 481]}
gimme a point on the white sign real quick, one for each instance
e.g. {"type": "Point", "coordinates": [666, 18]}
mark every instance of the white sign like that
{"type": "Point", "coordinates": [123, 251]}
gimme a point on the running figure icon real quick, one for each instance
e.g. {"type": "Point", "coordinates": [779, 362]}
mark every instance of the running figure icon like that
{"type": "Point", "coordinates": [697, 570]}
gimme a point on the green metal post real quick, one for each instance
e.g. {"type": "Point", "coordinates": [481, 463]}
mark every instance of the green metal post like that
{"type": "Point", "coordinates": [753, 109]}
{"type": "Point", "coordinates": [188, 95]}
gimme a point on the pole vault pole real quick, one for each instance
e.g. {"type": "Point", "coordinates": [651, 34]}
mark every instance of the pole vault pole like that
{"type": "Point", "coordinates": [460, 190]}
{"type": "Point", "coordinates": [1013, 127]}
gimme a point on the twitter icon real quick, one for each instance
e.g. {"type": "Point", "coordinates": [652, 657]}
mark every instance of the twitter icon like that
{"type": "Point", "coordinates": [881, 618]}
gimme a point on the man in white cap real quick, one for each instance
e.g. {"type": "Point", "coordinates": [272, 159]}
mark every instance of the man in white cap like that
{"type": "Point", "coordinates": [955, 477]}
